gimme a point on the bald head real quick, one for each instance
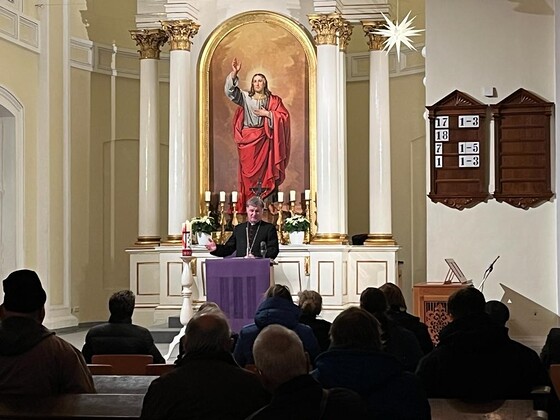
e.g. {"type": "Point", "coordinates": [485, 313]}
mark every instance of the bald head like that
{"type": "Point", "coordinates": [207, 333]}
{"type": "Point", "coordinates": [279, 355]}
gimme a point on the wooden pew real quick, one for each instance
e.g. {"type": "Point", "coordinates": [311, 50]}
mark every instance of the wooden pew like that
{"type": "Point", "coordinates": [122, 384]}
{"type": "Point", "coordinates": [72, 406]}
{"type": "Point", "coordinates": [444, 409]}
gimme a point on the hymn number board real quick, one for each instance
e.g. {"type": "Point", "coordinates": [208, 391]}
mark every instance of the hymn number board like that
{"type": "Point", "coordinates": [458, 151]}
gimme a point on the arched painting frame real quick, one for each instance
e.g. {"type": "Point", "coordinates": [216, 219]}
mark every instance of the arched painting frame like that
{"type": "Point", "coordinates": [283, 50]}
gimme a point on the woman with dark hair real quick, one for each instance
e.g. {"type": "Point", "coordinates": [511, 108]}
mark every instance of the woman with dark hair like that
{"type": "Point", "coordinates": [277, 308]}
{"type": "Point", "coordinates": [396, 340]}
{"type": "Point", "coordinates": [397, 312]}
{"type": "Point", "coordinates": [311, 304]}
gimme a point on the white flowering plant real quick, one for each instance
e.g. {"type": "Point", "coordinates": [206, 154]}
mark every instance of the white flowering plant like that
{"type": "Point", "coordinates": [297, 223]}
{"type": "Point", "coordinates": [203, 224]}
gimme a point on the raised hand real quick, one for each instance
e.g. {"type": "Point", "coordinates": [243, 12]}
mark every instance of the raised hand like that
{"type": "Point", "coordinates": [235, 67]}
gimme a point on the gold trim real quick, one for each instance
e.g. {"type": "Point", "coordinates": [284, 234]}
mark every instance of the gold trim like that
{"type": "Point", "coordinates": [326, 27]}
{"type": "Point", "coordinates": [345, 34]}
{"type": "Point", "coordinates": [330, 239]}
{"type": "Point", "coordinates": [150, 42]}
{"type": "Point", "coordinates": [147, 241]}
{"type": "Point", "coordinates": [375, 42]}
{"type": "Point", "coordinates": [306, 265]}
{"type": "Point", "coordinates": [207, 52]}
{"type": "Point", "coordinates": [380, 239]}
{"type": "Point", "coordinates": [180, 33]}
{"type": "Point", "coordinates": [172, 240]}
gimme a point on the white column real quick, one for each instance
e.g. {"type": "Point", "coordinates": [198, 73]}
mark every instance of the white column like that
{"type": "Point", "coordinates": [150, 42]}
{"type": "Point", "coordinates": [180, 160]}
{"type": "Point", "coordinates": [328, 148]}
{"type": "Point", "coordinates": [380, 225]}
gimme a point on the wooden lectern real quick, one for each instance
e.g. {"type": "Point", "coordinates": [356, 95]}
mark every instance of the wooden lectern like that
{"type": "Point", "coordinates": [237, 285]}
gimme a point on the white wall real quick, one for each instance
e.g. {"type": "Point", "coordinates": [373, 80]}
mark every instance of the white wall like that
{"type": "Point", "coordinates": [507, 45]}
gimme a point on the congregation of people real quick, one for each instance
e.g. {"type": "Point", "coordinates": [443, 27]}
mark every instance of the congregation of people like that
{"type": "Point", "coordinates": [375, 361]}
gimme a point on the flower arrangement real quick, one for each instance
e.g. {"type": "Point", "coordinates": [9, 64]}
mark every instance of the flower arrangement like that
{"type": "Point", "coordinates": [204, 224]}
{"type": "Point", "coordinates": [297, 223]}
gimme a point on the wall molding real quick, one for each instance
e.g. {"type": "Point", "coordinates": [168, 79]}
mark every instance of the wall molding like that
{"type": "Point", "coordinates": [17, 28]}
{"type": "Point", "coordinates": [98, 58]}
{"type": "Point", "coordinates": [412, 62]}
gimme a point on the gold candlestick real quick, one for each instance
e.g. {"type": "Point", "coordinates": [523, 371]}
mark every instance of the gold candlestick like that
{"type": "Point", "coordinates": [279, 223]}
{"type": "Point", "coordinates": [307, 238]}
{"type": "Point", "coordinates": [208, 208]}
{"type": "Point", "coordinates": [292, 208]}
{"type": "Point", "coordinates": [222, 222]}
{"type": "Point", "coordinates": [234, 221]}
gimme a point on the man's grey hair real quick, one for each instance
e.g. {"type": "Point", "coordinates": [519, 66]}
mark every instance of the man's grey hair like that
{"type": "Point", "coordinates": [279, 355]}
{"type": "Point", "coordinates": [207, 333]}
{"type": "Point", "coordinates": [255, 202]}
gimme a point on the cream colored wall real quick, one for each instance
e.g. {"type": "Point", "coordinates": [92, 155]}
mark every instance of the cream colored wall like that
{"type": "Point", "coordinates": [506, 45]}
{"type": "Point", "coordinates": [20, 76]}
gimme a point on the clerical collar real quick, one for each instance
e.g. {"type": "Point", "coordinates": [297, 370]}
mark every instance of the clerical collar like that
{"type": "Point", "coordinates": [255, 224]}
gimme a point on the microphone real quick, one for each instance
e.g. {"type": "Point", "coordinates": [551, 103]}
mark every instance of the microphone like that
{"type": "Point", "coordinates": [487, 273]}
{"type": "Point", "coordinates": [263, 249]}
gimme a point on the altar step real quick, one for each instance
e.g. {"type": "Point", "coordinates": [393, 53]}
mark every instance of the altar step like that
{"type": "Point", "coordinates": [164, 333]}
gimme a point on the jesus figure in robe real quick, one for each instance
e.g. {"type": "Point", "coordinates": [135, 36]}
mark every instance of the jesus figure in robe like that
{"type": "Point", "coordinates": [261, 130]}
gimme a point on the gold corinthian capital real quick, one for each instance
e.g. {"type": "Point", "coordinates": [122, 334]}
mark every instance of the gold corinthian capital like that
{"type": "Point", "coordinates": [344, 35]}
{"type": "Point", "coordinates": [180, 33]}
{"type": "Point", "coordinates": [150, 42]}
{"type": "Point", "coordinates": [375, 41]}
{"type": "Point", "coordinates": [326, 27]}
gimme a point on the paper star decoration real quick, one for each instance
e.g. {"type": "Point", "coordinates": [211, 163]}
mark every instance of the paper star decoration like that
{"type": "Point", "coordinates": [397, 34]}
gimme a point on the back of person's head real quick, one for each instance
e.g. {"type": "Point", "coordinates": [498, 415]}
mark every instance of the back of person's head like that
{"type": "Point", "coordinates": [121, 304]}
{"type": "Point", "coordinates": [278, 290]}
{"type": "Point", "coordinates": [255, 201]}
{"type": "Point", "coordinates": [24, 295]}
{"type": "Point", "coordinates": [465, 302]}
{"type": "Point", "coordinates": [498, 311]}
{"type": "Point", "coordinates": [373, 300]}
{"type": "Point", "coordinates": [207, 307]}
{"type": "Point", "coordinates": [394, 296]}
{"type": "Point", "coordinates": [310, 302]}
{"type": "Point", "coordinates": [279, 355]}
{"type": "Point", "coordinates": [207, 333]}
{"type": "Point", "coordinates": [355, 328]}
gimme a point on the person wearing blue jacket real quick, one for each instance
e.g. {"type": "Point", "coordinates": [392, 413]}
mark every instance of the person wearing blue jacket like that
{"type": "Point", "coordinates": [277, 308]}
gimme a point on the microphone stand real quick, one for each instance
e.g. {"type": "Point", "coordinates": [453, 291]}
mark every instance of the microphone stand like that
{"type": "Point", "coordinates": [487, 273]}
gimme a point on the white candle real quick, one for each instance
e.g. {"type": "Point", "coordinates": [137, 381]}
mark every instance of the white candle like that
{"type": "Point", "coordinates": [187, 226]}
{"type": "Point", "coordinates": [207, 196]}
{"type": "Point", "coordinates": [234, 196]}
{"type": "Point", "coordinates": [222, 196]}
{"type": "Point", "coordinates": [280, 197]}
{"type": "Point", "coordinates": [307, 194]}
{"type": "Point", "coordinates": [292, 195]}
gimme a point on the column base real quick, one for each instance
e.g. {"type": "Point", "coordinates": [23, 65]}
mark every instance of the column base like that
{"type": "Point", "coordinates": [147, 241]}
{"type": "Point", "coordinates": [380, 239]}
{"type": "Point", "coordinates": [329, 239]}
{"type": "Point", "coordinates": [172, 240]}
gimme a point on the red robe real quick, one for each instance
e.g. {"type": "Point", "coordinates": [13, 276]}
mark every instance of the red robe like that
{"type": "Point", "coordinates": [264, 152]}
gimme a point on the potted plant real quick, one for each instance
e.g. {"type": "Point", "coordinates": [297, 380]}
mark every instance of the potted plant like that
{"type": "Point", "coordinates": [296, 226]}
{"type": "Point", "coordinates": [203, 227]}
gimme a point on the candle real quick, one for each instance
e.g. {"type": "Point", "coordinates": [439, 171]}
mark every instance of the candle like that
{"type": "Point", "coordinates": [187, 226]}
{"type": "Point", "coordinates": [280, 197]}
{"type": "Point", "coordinates": [307, 194]}
{"type": "Point", "coordinates": [222, 196]}
{"type": "Point", "coordinates": [234, 196]}
{"type": "Point", "coordinates": [292, 195]}
{"type": "Point", "coordinates": [207, 196]}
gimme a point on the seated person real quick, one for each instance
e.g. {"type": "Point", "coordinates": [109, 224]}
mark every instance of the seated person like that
{"type": "Point", "coordinates": [207, 383]}
{"type": "Point", "coordinates": [397, 313]}
{"type": "Point", "coordinates": [476, 359]}
{"type": "Point", "coordinates": [250, 237]}
{"type": "Point", "coordinates": [550, 353]}
{"type": "Point", "coordinates": [277, 308]}
{"type": "Point", "coordinates": [120, 335]}
{"type": "Point", "coordinates": [395, 339]}
{"type": "Point", "coordinates": [284, 369]}
{"type": "Point", "coordinates": [355, 361]}
{"type": "Point", "coordinates": [33, 360]}
{"type": "Point", "coordinates": [311, 304]}
{"type": "Point", "coordinates": [497, 311]}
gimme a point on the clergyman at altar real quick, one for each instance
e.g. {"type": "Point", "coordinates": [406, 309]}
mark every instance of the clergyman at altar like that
{"type": "Point", "coordinates": [252, 238]}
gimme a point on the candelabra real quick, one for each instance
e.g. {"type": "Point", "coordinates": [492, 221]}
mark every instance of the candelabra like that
{"type": "Point", "coordinates": [308, 217]}
{"type": "Point", "coordinates": [208, 208]}
{"type": "Point", "coordinates": [292, 208]}
{"type": "Point", "coordinates": [222, 222]}
{"type": "Point", "coordinates": [234, 221]}
{"type": "Point", "coordinates": [279, 223]}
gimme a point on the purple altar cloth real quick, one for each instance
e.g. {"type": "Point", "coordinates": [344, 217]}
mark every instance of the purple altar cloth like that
{"type": "Point", "coordinates": [237, 285]}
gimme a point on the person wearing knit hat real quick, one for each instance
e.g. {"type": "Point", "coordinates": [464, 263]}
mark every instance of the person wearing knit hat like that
{"type": "Point", "coordinates": [33, 360]}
